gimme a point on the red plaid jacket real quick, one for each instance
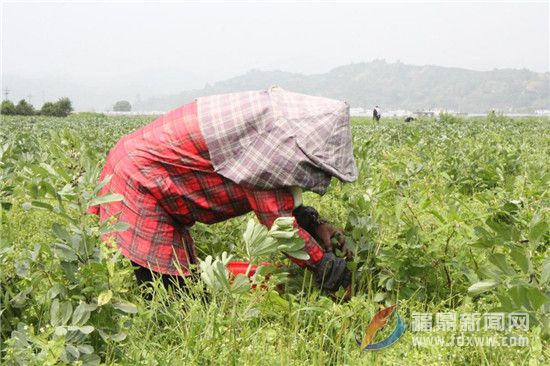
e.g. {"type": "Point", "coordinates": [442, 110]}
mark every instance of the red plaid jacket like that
{"type": "Point", "coordinates": [164, 172]}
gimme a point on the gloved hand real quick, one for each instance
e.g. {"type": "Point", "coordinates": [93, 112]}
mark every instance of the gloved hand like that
{"type": "Point", "coordinates": [332, 237]}
{"type": "Point", "coordinates": [331, 273]}
{"type": "Point", "coordinates": [307, 218]}
{"type": "Point", "coordinates": [326, 234]}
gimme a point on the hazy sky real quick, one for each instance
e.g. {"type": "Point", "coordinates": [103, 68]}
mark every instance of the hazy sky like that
{"type": "Point", "coordinates": [179, 43]}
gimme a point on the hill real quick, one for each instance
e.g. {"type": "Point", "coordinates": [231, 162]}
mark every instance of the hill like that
{"type": "Point", "coordinates": [394, 86]}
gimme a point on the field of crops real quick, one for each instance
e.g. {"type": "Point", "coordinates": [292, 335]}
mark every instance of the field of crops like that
{"type": "Point", "coordinates": [447, 216]}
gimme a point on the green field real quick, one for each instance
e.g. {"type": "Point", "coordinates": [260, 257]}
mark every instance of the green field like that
{"type": "Point", "coordinates": [447, 216]}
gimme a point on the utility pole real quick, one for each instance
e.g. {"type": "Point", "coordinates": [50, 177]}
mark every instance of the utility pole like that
{"type": "Point", "coordinates": [29, 98]}
{"type": "Point", "coordinates": [6, 93]}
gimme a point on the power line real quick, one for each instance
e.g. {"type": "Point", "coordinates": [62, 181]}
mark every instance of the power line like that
{"type": "Point", "coordinates": [6, 93]}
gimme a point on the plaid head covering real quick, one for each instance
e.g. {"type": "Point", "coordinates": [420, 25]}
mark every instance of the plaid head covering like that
{"type": "Point", "coordinates": [274, 138]}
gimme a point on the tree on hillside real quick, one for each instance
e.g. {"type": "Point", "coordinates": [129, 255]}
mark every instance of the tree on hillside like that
{"type": "Point", "coordinates": [64, 107]}
{"type": "Point", "coordinates": [122, 106]}
{"type": "Point", "coordinates": [61, 108]}
{"type": "Point", "coordinates": [7, 108]}
{"type": "Point", "coordinates": [24, 109]}
{"type": "Point", "coordinates": [48, 109]}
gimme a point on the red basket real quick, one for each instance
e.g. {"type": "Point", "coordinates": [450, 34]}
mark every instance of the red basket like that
{"type": "Point", "coordinates": [238, 267]}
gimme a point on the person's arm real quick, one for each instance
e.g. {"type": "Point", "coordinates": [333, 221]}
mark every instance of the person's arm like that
{"type": "Point", "coordinates": [329, 271]}
{"type": "Point", "coordinates": [271, 204]}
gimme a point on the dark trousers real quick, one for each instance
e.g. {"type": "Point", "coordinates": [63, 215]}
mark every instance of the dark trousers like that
{"type": "Point", "coordinates": [145, 278]}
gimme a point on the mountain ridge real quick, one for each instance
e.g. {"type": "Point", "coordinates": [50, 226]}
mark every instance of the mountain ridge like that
{"type": "Point", "coordinates": [393, 86]}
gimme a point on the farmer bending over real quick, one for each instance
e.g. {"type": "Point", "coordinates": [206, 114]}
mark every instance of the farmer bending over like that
{"type": "Point", "coordinates": [223, 156]}
{"type": "Point", "coordinates": [376, 115]}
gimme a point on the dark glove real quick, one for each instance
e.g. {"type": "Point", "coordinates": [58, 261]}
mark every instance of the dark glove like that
{"type": "Point", "coordinates": [331, 273]}
{"type": "Point", "coordinates": [307, 218]}
{"type": "Point", "coordinates": [323, 232]}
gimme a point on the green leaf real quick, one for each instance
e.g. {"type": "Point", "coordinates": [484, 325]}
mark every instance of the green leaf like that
{"type": "Point", "coordinates": [81, 314]}
{"type": "Point", "coordinates": [379, 297]}
{"type": "Point", "coordinates": [22, 268]}
{"type": "Point", "coordinates": [481, 232]}
{"type": "Point", "coordinates": [49, 189]}
{"type": "Point", "coordinates": [510, 207]}
{"type": "Point", "coordinates": [61, 232]}
{"type": "Point", "coordinates": [520, 258]}
{"type": "Point", "coordinates": [275, 299]}
{"type": "Point", "coordinates": [254, 233]}
{"type": "Point", "coordinates": [119, 226]}
{"type": "Point", "coordinates": [484, 243]}
{"type": "Point", "coordinates": [60, 331]}
{"type": "Point", "coordinates": [257, 241]}
{"type": "Point", "coordinates": [499, 260]}
{"type": "Point", "coordinates": [126, 307]}
{"type": "Point", "coordinates": [214, 273]}
{"type": "Point", "coordinates": [503, 230]}
{"type": "Point", "coordinates": [52, 172]}
{"type": "Point", "coordinates": [482, 286]}
{"type": "Point", "coordinates": [105, 180]}
{"type": "Point", "coordinates": [55, 290]}
{"type": "Point", "coordinates": [536, 297]}
{"type": "Point", "coordinates": [70, 269]}
{"type": "Point", "coordinates": [119, 337]}
{"type": "Point", "coordinates": [86, 349]}
{"type": "Point", "coordinates": [64, 252]}
{"type": "Point", "coordinates": [284, 223]}
{"type": "Point", "coordinates": [545, 275]}
{"type": "Point", "coordinates": [54, 312]}
{"type": "Point", "coordinates": [241, 284]}
{"type": "Point", "coordinates": [280, 234]}
{"type": "Point", "coordinates": [90, 360]}
{"type": "Point", "coordinates": [72, 350]}
{"type": "Point", "coordinates": [538, 227]}
{"type": "Point", "coordinates": [37, 204]}
{"type": "Point", "coordinates": [65, 312]}
{"type": "Point", "coordinates": [87, 329]}
{"type": "Point", "coordinates": [518, 295]}
{"type": "Point", "coordinates": [39, 171]}
{"type": "Point", "coordinates": [106, 198]}
{"type": "Point", "coordinates": [506, 303]}
{"type": "Point", "coordinates": [291, 245]}
{"type": "Point", "coordinates": [299, 255]}
{"type": "Point", "coordinates": [60, 313]}
{"type": "Point", "coordinates": [104, 297]}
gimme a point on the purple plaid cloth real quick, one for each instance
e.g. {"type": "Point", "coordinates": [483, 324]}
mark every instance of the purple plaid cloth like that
{"type": "Point", "coordinates": [273, 138]}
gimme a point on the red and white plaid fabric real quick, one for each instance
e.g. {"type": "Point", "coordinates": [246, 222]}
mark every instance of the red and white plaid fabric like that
{"type": "Point", "coordinates": [274, 138]}
{"type": "Point", "coordinates": [165, 174]}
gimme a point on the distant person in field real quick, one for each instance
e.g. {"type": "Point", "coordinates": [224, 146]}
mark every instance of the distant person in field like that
{"type": "Point", "coordinates": [223, 156]}
{"type": "Point", "coordinates": [376, 115]}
